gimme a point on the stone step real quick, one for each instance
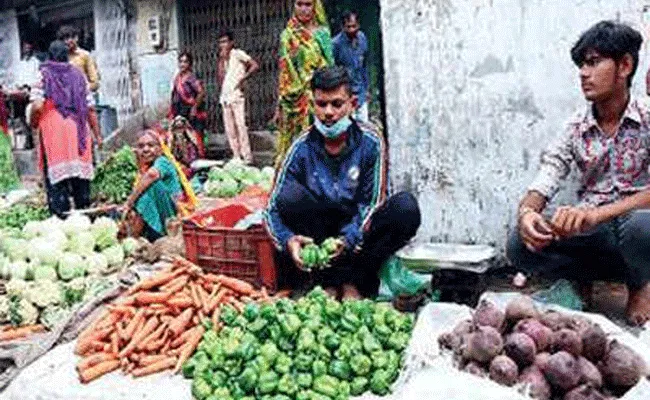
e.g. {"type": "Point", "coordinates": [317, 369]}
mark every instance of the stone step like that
{"type": "Point", "coordinates": [26, 162]}
{"type": "Point", "coordinates": [260, 141]}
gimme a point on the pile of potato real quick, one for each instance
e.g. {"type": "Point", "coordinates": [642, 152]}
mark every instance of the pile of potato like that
{"type": "Point", "coordinates": [548, 355]}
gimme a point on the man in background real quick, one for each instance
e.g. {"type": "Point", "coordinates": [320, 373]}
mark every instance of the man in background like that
{"type": "Point", "coordinates": [82, 59]}
{"type": "Point", "coordinates": [235, 66]}
{"type": "Point", "coordinates": [27, 74]}
{"type": "Point", "coordinates": [351, 52]}
{"type": "Point", "coordinates": [27, 77]}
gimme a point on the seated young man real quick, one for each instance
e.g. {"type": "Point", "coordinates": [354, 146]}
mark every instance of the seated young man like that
{"type": "Point", "coordinates": [606, 236]}
{"type": "Point", "coordinates": [333, 183]}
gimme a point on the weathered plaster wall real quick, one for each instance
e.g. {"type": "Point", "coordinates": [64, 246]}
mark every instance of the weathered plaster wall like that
{"type": "Point", "coordinates": [9, 46]}
{"type": "Point", "coordinates": [475, 89]}
{"type": "Point", "coordinates": [114, 39]}
{"type": "Point", "coordinates": [157, 65]}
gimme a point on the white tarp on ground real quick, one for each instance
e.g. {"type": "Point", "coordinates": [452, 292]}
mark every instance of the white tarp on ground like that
{"type": "Point", "coordinates": [428, 374]}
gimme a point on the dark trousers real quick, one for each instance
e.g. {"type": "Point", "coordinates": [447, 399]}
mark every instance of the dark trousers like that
{"type": "Point", "coordinates": [58, 195]}
{"type": "Point", "coordinates": [391, 227]}
{"type": "Point", "coordinates": [615, 251]}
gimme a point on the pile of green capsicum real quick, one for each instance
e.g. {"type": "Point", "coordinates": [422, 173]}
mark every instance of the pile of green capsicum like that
{"type": "Point", "coordinates": [315, 348]}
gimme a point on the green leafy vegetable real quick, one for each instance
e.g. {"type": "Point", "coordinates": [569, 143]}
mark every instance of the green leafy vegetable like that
{"type": "Point", "coordinates": [114, 178]}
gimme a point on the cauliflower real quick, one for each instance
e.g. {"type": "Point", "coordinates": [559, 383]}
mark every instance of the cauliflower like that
{"type": "Point", "coordinates": [76, 223]}
{"type": "Point", "coordinates": [96, 286]}
{"type": "Point", "coordinates": [74, 291]}
{"type": "Point", "coordinates": [57, 237]}
{"type": "Point", "coordinates": [44, 293]}
{"type": "Point", "coordinates": [27, 313]}
{"type": "Point", "coordinates": [32, 229]}
{"type": "Point", "coordinates": [114, 255]}
{"type": "Point", "coordinates": [130, 246]}
{"type": "Point", "coordinates": [45, 251]}
{"type": "Point", "coordinates": [105, 231]}
{"type": "Point", "coordinates": [21, 311]}
{"type": "Point", "coordinates": [4, 267]}
{"type": "Point", "coordinates": [4, 309]}
{"type": "Point", "coordinates": [52, 316]}
{"type": "Point", "coordinates": [44, 272]}
{"type": "Point", "coordinates": [16, 287]}
{"type": "Point", "coordinates": [82, 243]}
{"type": "Point", "coordinates": [97, 264]}
{"type": "Point", "coordinates": [16, 249]}
{"type": "Point", "coordinates": [71, 266]}
{"type": "Point", "coordinates": [20, 270]}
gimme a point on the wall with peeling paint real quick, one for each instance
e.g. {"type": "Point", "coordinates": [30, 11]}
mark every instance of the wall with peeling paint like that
{"type": "Point", "coordinates": [474, 91]}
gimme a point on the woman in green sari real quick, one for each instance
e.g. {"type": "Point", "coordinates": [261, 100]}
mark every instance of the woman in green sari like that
{"type": "Point", "coordinates": [305, 45]}
{"type": "Point", "coordinates": [161, 190]}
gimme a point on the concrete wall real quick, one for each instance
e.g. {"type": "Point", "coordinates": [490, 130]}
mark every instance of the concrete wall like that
{"type": "Point", "coordinates": [9, 46]}
{"type": "Point", "coordinates": [474, 91]}
{"type": "Point", "coordinates": [157, 65]}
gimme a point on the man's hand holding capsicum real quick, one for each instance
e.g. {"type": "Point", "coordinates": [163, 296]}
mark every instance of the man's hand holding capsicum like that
{"type": "Point", "coordinates": [295, 245]}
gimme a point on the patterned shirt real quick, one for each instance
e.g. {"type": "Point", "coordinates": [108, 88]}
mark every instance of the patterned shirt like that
{"type": "Point", "coordinates": [610, 167]}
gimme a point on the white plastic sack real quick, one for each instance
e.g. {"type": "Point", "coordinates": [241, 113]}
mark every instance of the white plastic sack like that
{"type": "Point", "coordinates": [441, 380]}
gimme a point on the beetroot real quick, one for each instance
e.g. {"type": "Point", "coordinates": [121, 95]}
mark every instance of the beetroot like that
{"type": "Point", "coordinates": [521, 348]}
{"type": "Point", "coordinates": [554, 320]}
{"type": "Point", "coordinates": [449, 341]}
{"type": "Point", "coordinates": [567, 340]}
{"type": "Point", "coordinates": [589, 374]}
{"type": "Point", "coordinates": [541, 360]}
{"type": "Point", "coordinates": [504, 371]}
{"type": "Point", "coordinates": [535, 384]}
{"type": "Point", "coordinates": [621, 367]}
{"type": "Point", "coordinates": [579, 324]}
{"type": "Point", "coordinates": [475, 368]}
{"type": "Point", "coordinates": [562, 371]}
{"type": "Point", "coordinates": [520, 308]}
{"type": "Point", "coordinates": [594, 343]}
{"type": "Point", "coordinates": [464, 327]}
{"type": "Point", "coordinates": [584, 392]}
{"type": "Point", "coordinates": [483, 345]}
{"type": "Point", "coordinates": [542, 335]}
{"type": "Point", "coordinates": [487, 314]}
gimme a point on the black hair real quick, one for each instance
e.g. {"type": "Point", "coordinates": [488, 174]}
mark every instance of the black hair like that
{"type": "Point", "coordinates": [330, 78]}
{"type": "Point", "coordinates": [187, 55]}
{"type": "Point", "coordinates": [348, 14]}
{"type": "Point", "coordinates": [609, 39]}
{"type": "Point", "coordinates": [66, 32]}
{"type": "Point", "coordinates": [226, 33]}
{"type": "Point", "coordinates": [58, 51]}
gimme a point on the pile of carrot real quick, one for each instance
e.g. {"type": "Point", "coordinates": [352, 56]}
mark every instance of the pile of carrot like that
{"type": "Point", "coordinates": [158, 323]}
{"type": "Point", "coordinates": [9, 332]}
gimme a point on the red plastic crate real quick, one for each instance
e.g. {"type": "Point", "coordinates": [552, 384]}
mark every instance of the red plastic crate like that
{"type": "Point", "coordinates": [212, 243]}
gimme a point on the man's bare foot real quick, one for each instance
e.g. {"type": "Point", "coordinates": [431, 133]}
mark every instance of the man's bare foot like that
{"type": "Point", "coordinates": [332, 291]}
{"type": "Point", "coordinates": [638, 307]}
{"type": "Point", "coordinates": [350, 292]}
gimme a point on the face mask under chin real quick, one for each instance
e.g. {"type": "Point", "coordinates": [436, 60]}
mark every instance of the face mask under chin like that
{"type": "Point", "coordinates": [335, 131]}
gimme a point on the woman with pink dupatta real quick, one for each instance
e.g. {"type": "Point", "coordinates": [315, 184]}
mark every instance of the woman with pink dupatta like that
{"type": "Point", "coordinates": [60, 112]}
{"type": "Point", "coordinates": [188, 95]}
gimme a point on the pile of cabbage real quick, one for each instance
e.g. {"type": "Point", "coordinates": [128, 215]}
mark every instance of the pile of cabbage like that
{"type": "Point", "coordinates": [235, 177]}
{"type": "Point", "coordinates": [52, 263]}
